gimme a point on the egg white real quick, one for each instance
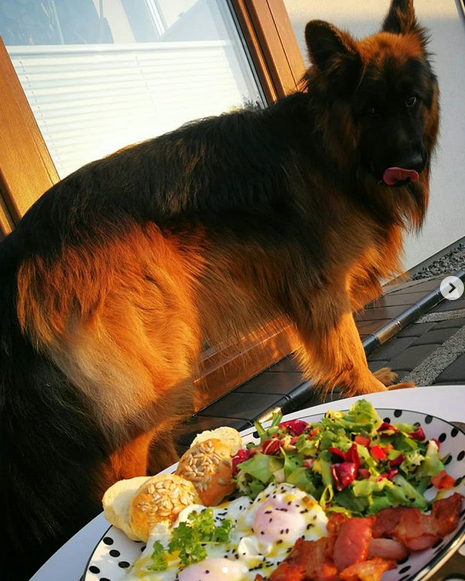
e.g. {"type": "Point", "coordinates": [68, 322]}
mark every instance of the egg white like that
{"type": "Point", "coordinates": [265, 532]}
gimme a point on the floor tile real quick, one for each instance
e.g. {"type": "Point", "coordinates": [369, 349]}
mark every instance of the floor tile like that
{"type": "Point", "coordinates": [458, 323]}
{"type": "Point", "coordinates": [375, 365]}
{"type": "Point", "coordinates": [286, 365]}
{"type": "Point", "coordinates": [411, 357]}
{"type": "Point", "coordinates": [246, 406]}
{"type": "Point", "coordinates": [302, 397]}
{"type": "Point", "coordinates": [280, 383]}
{"type": "Point", "coordinates": [392, 348]}
{"type": "Point", "coordinates": [381, 313]}
{"type": "Point", "coordinates": [427, 285]}
{"type": "Point", "coordinates": [370, 327]}
{"type": "Point", "coordinates": [401, 373]}
{"type": "Point", "coordinates": [436, 336]}
{"type": "Point", "coordinates": [456, 382]}
{"type": "Point", "coordinates": [396, 299]}
{"type": "Point", "coordinates": [454, 372]}
{"type": "Point", "coordinates": [446, 306]}
{"type": "Point", "coordinates": [416, 330]}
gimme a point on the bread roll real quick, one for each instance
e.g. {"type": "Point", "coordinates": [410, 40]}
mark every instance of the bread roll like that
{"type": "Point", "coordinates": [116, 502]}
{"type": "Point", "coordinates": [160, 498]}
{"type": "Point", "coordinates": [226, 434]}
{"type": "Point", "coordinates": [208, 465]}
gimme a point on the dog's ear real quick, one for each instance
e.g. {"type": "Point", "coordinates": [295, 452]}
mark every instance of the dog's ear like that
{"type": "Point", "coordinates": [327, 45]}
{"type": "Point", "coordinates": [401, 18]}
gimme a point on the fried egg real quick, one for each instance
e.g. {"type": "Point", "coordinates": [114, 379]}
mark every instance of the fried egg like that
{"type": "Point", "coordinates": [264, 533]}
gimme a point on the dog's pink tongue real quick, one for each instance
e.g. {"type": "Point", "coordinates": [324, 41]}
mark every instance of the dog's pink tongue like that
{"type": "Point", "coordinates": [397, 174]}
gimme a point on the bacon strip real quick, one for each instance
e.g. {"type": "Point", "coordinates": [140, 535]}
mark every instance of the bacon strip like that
{"type": "Point", "coordinates": [388, 549]}
{"type": "Point", "coordinates": [357, 549]}
{"type": "Point", "coordinates": [352, 542]}
{"type": "Point", "coordinates": [416, 530]}
{"type": "Point", "coordinates": [368, 570]}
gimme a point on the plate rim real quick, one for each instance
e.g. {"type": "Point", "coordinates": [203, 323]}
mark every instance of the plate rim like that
{"type": "Point", "coordinates": [423, 575]}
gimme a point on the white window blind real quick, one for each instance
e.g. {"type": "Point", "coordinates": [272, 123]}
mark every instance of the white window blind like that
{"type": "Point", "coordinates": [90, 100]}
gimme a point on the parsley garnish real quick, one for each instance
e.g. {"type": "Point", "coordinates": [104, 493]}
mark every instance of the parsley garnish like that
{"type": "Point", "coordinates": [158, 557]}
{"type": "Point", "coordinates": [190, 538]}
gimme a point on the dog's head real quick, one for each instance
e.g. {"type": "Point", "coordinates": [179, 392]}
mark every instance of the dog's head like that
{"type": "Point", "coordinates": [381, 96]}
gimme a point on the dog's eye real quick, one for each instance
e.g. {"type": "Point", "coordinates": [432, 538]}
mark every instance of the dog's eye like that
{"type": "Point", "coordinates": [411, 101]}
{"type": "Point", "coordinates": [371, 111]}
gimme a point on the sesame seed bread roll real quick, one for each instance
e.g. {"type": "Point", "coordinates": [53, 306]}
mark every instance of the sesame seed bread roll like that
{"type": "Point", "coordinates": [161, 498]}
{"type": "Point", "coordinates": [116, 502]}
{"type": "Point", "coordinates": [208, 466]}
{"type": "Point", "coordinates": [225, 434]}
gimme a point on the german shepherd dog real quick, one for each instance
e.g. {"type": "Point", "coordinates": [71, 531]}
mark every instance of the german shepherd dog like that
{"type": "Point", "coordinates": [113, 280]}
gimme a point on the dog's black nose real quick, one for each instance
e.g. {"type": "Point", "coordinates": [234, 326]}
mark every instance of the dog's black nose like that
{"type": "Point", "coordinates": [415, 160]}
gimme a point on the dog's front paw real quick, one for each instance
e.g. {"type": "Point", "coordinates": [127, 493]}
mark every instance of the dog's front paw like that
{"type": "Point", "coordinates": [403, 385]}
{"type": "Point", "coordinates": [386, 376]}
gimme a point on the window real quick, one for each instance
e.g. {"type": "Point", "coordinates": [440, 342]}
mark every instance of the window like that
{"type": "Point", "coordinates": [81, 78]}
{"type": "Point", "coordinates": [94, 87]}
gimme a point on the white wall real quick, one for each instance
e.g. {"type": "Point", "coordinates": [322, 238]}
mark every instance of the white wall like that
{"type": "Point", "coordinates": [445, 223]}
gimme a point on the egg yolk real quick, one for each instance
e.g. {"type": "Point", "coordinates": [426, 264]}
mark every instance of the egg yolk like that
{"type": "Point", "coordinates": [214, 569]}
{"type": "Point", "coordinates": [277, 520]}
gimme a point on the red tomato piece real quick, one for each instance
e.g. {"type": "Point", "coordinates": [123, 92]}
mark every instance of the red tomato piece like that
{"type": "Point", "coordinates": [362, 440]}
{"type": "Point", "coordinates": [378, 453]}
{"type": "Point", "coordinates": [418, 434]}
{"type": "Point", "coordinates": [443, 480]}
{"type": "Point", "coordinates": [364, 472]}
{"type": "Point", "coordinates": [271, 447]}
{"type": "Point", "coordinates": [344, 474]}
{"type": "Point", "coordinates": [295, 427]}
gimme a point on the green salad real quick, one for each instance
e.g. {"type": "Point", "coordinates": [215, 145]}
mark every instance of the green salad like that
{"type": "Point", "coordinates": [351, 462]}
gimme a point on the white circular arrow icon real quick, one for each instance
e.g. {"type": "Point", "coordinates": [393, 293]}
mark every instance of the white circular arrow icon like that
{"type": "Point", "coordinates": [451, 288]}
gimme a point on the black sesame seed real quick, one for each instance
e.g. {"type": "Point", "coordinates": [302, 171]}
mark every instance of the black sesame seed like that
{"type": "Point", "coordinates": [94, 569]}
